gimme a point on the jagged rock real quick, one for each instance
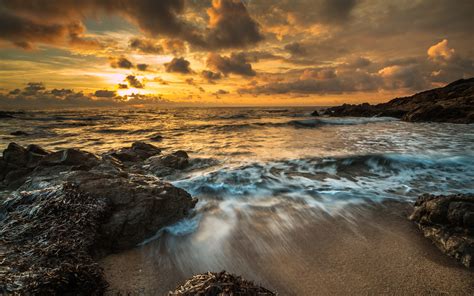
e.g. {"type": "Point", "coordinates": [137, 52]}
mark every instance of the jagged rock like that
{"type": "Point", "coordinates": [73, 204]}
{"type": "Point", "coordinates": [71, 157]}
{"type": "Point", "coordinates": [449, 222]}
{"type": "Point", "coordinates": [36, 149]}
{"type": "Point", "coordinates": [139, 151]}
{"type": "Point", "coordinates": [15, 154]}
{"type": "Point", "coordinates": [453, 103]}
{"type": "Point", "coordinates": [19, 133]}
{"type": "Point", "coordinates": [166, 164]}
{"type": "Point", "coordinates": [315, 113]}
{"type": "Point", "coordinates": [157, 138]}
{"type": "Point", "coordinates": [219, 283]}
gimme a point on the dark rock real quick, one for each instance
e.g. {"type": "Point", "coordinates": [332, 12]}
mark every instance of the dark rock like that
{"type": "Point", "coordinates": [15, 178]}
{"type": "Point", "coordinates": [19, 133]}
{"type": "Point", "coordinates": [315, 113]}
{"type": "Point", "coordinates": [6, 115]}
{"type": "Point", "coordinates": [453, 103]}
{"type": "Point", "coordinates": [219, 283]}
{"type": "Point", "coordinates": [448, 222]}
{"type": "Point", "coordinates": [47, 236]}
{"type": "Point", "coordinates": [157, 138]}
{"type": "Point", "coordinates": [140, 206]}
{"type": "Point", "coordinates": [36, 149]}
{"type": "Point", "coordinates": [15, 154]}
{"type": "Point", "coordinates": [139, 151]}
{"type": "Point", "coordinates": [165, 164]}
{"type": "Point", "coordinates": [71, 157]}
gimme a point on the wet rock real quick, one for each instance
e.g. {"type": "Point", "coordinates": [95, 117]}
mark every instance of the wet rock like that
{"type": "Point", "coordinates": [15, 154]}
{"type": "Point", "coordinates": [167, 164]}
{"type": "Point", "coordinates": [72, 207]}
{"type": "Point", "coordinates": [157, 138]}
{"type": "Point", "coordinates": [453, 103]}
{"type": "Point", "coordinates": [6, 115]}
{"type": "Point", "coordinates": [219, 283]}
{"type": "Point", "coordinates": [139, 151]}
{"type": "Point", "coordinates": [315, 113]}
{"type": "Point", "coordinates": [36, 149]}
{"type": "Point", "coordinates": [47, 236]}
{"type": "Point", "coordinates": [140, 206]}
{"type": "Point", "coordinates": [448, 222]}
{"type": "Point", "coordinates": [19, 133]}
{"type": "Point", "coordinates": [71, 157]}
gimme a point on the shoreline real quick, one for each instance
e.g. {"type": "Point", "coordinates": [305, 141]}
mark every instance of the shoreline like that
{"type": "Point", "coordinates": [371, 249]}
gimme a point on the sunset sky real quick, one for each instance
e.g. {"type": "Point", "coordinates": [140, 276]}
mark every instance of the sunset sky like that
{"type": "Point", "coordinates": [98, 53]}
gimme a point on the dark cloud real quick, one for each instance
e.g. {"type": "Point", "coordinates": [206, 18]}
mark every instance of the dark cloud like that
{"type": "Point", "coordinates": [235, 64]}
{"type": "Point", "coordinates": [320, 81]}
{"type": "Point", "coordinates": [296, 49]}
{"type": "Point", "coordinates": [231, 25]}
{"type": "Point", "coordinates": [105, 93]}
{"type": "Point", "coordinates": [121, 62]}
{"type": "Point", "coordinates": [45, 99]}
{"type": "Point", "coordinates": [33, 87]}
{"type": "Point", "coordinates": [357, 62]}
{"type": "Point", "coordinates": [142, 67]}
{"type": "Point", "coordinates": [122, 86]}
{"type": "Point", "coordinates": [178, 65]}
{"type": "Point", "coordinates": [146, 46]}
{"type": "Point", "coordinates": [134, 82]}
{"type": "Point", "coordinates": [211, 76]}
{"type": "Point", "coordinates": [61, 92]}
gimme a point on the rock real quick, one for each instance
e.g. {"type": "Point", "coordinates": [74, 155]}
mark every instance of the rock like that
{"type": "Point", "coordinates": [36, 149]}
{"type": "Point", "coordinates": [448, 222]}
{"type": "Point", "coordinates": [6, 115]}
{"type": "Point", "coordinates": [19, 133]}
{"type": "Point", "coordinates": [73, 207]}
{"type": "Point", "coordinates": [315, 113]}
{"type": "Point", "coordinates": [15, 154]}
{"type": "Point", "coordinates": [157, 138]}
{"type": "Point", "coordinates": [140, 206]}
{"type": "Point", "coordinates": [219, 283]}
{"type": "Point", "coordinates": [139, 151]}
{"type": "Point", "coordinates": [165, 164]}
{"type": "Point", "coordinates": [71, 157]}
{"type": "Point", "coordinates": [453, 103]}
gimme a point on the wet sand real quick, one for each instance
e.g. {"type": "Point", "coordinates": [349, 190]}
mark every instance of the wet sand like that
{"type": "Point", "coordinates": [367, 250]}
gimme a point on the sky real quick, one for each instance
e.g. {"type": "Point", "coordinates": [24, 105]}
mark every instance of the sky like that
{"type": "Point", "coordinates": [141, 53]}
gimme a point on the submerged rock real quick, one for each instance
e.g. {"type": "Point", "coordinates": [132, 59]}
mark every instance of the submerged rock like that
{"type": "Point", "coordinates": [449, 222]}
{"type": "Point", "coordinates": [453, 103]}
{"type": "Point", "coordinates": [219, 283]}
{"type": "Point", "coordinates": [19, 133]}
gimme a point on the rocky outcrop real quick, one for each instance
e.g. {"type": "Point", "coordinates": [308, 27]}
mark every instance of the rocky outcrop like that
{"type": "Point", "coordinates": [449, 222]}
{"type": "Point", "coordinates": [163, 165]}
{"type": "Point", "coordinates": [81, 205]}
{"type": "Point", "coordinates": [219, 283]}
{"type": "Point", "coordinates": [453, 103]}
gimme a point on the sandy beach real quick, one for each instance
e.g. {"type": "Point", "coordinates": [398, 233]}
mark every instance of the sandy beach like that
{"type": "Point", "coordinates": [366, 250]}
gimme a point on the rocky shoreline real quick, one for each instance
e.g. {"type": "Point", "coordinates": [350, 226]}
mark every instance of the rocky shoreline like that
{"type": "Point", "coordinates": [448, 221]}
{"type": "Point", "coordinates": [69, 208]}
{"type": "Point", "coordinates": [453, 103]}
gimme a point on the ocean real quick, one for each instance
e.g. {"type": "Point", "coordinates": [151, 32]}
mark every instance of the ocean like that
{"type": "Point", "coordinates": [259, 173]}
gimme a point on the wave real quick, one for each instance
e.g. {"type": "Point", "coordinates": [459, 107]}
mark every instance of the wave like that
{"type": "Point", "coordinates": [327, 181]}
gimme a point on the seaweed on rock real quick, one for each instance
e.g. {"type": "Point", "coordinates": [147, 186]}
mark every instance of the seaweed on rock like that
{"type": "Point", "coordinates": [47, 238]}
{"type": "Point", "coordinates": [222, 284]}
